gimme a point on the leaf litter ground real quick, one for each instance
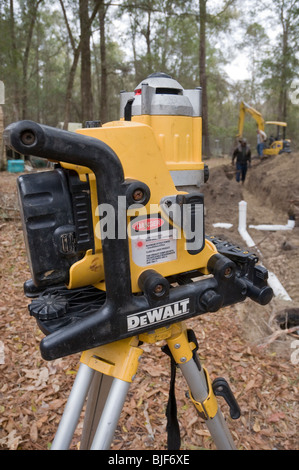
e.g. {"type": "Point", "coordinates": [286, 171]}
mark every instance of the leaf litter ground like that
{"type": "Point", "coordinates": [242, 343]}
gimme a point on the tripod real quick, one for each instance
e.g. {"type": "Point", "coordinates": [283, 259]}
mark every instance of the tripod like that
{"type": "Point", "coordinates": [104, 377]}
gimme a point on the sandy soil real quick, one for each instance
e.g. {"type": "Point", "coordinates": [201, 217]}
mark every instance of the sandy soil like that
{"type": "Point", "coordinates": [244, 343]}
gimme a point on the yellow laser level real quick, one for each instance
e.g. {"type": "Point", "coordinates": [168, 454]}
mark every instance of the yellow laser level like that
{"type": "Point", "coordinates": [115, 232]}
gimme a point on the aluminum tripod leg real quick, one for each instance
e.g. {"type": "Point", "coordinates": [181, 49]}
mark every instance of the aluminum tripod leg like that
{"type": "Point", "coordinates": [196, 379]}
{"type": "Point", "coordinates": [116, 365]}
{"type": "Point", "coordinates": [73, 408]}
{"type": "Point", "coordinates": [96, 399]}
{"type": "Point", "coordinates": [200, 388]}
{"type": "Point", "coordinates": [110, 415]}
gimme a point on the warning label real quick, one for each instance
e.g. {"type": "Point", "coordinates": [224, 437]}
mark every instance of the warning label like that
{"type": "Point", "coordinates": [154, 248]}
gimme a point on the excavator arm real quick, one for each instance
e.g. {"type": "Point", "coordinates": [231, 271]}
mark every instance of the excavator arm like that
{"type": "Point", "coordinates": [245, 108]}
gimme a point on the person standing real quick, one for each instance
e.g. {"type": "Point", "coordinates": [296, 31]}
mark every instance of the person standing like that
{"type": "Point", "coordinates": [261, 139]}
{"type": "Point", "coordinates": [242, 155]}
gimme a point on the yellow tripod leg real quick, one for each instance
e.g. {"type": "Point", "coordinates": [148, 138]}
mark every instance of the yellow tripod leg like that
{"type": "Point", "coordinates": [182, 352]}
{"type": "Point", "coordinates": [200, 388]}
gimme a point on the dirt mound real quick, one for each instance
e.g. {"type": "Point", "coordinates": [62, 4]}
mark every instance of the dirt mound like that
{"type": "Point", "coordinates": [222, 195]}
{"type": "Point", "coordinates": [275, 182]}
{"type": "Point", "coordinates": [271, 191]}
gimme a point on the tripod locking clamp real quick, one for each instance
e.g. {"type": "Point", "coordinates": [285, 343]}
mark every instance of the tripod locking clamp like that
{"type": "Point", "coordinates": [222, 388]}
{"type": "Point", "coordinates": [209, 407]}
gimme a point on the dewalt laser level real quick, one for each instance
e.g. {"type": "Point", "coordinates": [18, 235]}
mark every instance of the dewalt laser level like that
{"type": "Point", "coordinates": [115, 236]}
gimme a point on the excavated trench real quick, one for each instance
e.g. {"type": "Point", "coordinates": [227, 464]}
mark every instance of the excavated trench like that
{"type": "Point", "coordinates": [271, 191]}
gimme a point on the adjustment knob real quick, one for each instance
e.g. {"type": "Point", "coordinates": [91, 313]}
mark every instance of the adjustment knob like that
{"type": "Point", "coordinates": [48, 307]}
{"type": "Point", "coordinates": [211, 301]}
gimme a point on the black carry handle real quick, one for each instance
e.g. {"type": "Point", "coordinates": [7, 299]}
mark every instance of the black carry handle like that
{"type": "Point", "coordinates": [30, 138]}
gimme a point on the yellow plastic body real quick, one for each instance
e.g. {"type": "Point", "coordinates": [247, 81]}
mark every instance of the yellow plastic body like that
{"type": "Point", "coordinates": [137, 146]}
{"type": "Point", "coordinates": [179, 139]}
{"type": "Point", "coordinates": [118, 359]}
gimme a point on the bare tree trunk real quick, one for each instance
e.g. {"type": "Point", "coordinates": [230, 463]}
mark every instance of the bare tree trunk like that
{"type": "Point", "coordinates": [70, 86]}
{"type": "Point", "coordinates": [148, 43]}
{"type": "Point", "coordinates": [2, 149]}
{"type": "Point", "coordinates": [133, 32]}
{"type": "Point", "coordinates": [104, 73]}
{"type": "Point", "coordinates": [14, 52]}
{"type": "Point", "coordinates": [283, 96]}
{"type": "Point", "coordinates": [203, 76]}
{"type": "Point", "coordinates": [86, 86]}
{"type": "Point", "coordinates": [33, 7]}
{"type": "Point", "coordinates": [167, 12]}
{"type": "Point", "coordinates": [76, 51]}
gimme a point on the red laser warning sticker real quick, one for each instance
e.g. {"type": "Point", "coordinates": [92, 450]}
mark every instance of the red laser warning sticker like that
{"type": "Point", "coordinates": [145, 225]}
{"type": "Point", "coordinates": [151, 243]}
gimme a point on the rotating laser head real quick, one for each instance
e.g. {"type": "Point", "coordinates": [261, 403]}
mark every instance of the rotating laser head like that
{"type": "Point", "coordinates": [174, 114]}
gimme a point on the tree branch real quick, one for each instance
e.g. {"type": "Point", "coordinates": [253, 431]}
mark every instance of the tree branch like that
{"type": "Point", "coordinates": [228, 4]}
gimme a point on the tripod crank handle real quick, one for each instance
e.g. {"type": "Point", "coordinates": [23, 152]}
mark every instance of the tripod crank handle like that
{"type": "Point", "coordinates": [221, 388]}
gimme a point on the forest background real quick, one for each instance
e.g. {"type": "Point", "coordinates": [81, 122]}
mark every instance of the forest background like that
{"type": "Point", "coordinates": [68, 60]}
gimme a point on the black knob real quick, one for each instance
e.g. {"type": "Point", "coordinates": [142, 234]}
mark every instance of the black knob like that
{"type": "Point", "coordinates": [48, 307]}
{"type": "Point", "coordinates": [211, 301]}
{"type": "Point", "coordinates": [153, 284]}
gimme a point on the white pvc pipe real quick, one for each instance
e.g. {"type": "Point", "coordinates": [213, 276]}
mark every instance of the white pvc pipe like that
{"type": "Point", "coordinates": [242, 228]}
{"type": "Point", "coordinates": [289, 226]}
{"type": "Point", "coordinates": [222, 225]}
{"type": "Point", "coordinates": [274, 283]}
{"type": "Point", "coordinates": [278, 289]}
{"type": "Point", "coordinates": [242, 215]}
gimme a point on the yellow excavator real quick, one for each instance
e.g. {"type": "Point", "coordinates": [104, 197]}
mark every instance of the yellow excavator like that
{"type": "Point", "coordinates": [276, 144]}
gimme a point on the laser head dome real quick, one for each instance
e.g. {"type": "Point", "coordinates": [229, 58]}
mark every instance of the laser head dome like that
{"type": "Point", "coordinates": [160, 94]}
